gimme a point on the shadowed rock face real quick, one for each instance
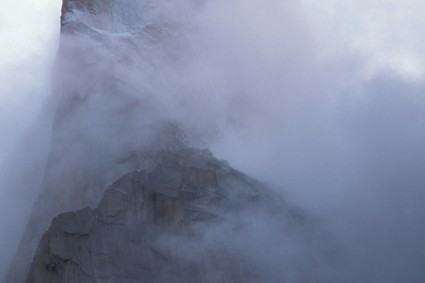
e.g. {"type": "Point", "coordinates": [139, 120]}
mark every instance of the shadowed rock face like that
{"type": "Point", "coordinates": [191, 218]}
{"type": "Point", "coordinates": [157, 226]}
{"type": "Point", "coordinates": [176, 214]}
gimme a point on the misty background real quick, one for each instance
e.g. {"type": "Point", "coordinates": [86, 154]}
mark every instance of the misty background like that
{"type": "Point", "coordinates": [322, 100]}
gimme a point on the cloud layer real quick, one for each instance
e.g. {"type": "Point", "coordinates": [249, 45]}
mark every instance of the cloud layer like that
{"type": "Point", "coordinates": [323, 101]}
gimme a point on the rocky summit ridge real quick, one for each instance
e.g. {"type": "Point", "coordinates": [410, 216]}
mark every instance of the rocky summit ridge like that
{"type": "Point", "coordinates": [132, 197]}
{"type": "Point", "coordinates": [157, 226]}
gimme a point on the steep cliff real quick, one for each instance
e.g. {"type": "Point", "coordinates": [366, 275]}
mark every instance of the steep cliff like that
{"type": "Point", "coordinates": [184, 221]}
{"type": "Point", "coordinates": [105, 122]}
{"type": "Point", "coordinates": [176, 214]}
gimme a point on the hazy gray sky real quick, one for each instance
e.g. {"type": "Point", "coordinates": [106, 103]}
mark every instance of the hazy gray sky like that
{"type": "Point", "coordinates": [387, 34]}
{"type": "Point", "coordinates": [28, 39]}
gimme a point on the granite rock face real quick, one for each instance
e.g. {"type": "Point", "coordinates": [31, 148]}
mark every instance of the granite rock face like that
{"type": "Point", "coordinates": [157, 226]}
{"type": "Point", "coordinates": [176, 214]}
{"type": "Point", "coordinates": [105, 123]}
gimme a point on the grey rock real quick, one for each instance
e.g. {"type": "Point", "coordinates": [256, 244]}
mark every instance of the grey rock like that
{"type": "Point", "coordinates": [149, 227]}
{"type": "Point", "coordinates": [180, 215]}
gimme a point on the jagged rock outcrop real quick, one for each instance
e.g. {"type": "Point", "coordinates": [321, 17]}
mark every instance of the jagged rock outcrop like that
{"type": "Point", "coordinates": [177, 214]}
{"type": "Point", "coordinates": [161, 226]}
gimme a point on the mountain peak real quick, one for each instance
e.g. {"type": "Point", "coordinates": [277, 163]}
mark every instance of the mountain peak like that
{"type": "Point", "coordinates": [109, 15]}
{"type": "Point", "coordinates": [68, 6]}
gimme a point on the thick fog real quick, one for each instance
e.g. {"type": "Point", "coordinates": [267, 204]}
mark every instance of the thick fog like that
{"type": "Point", "coordinates": [322, 100]}
{"type": "Point", "coordinates": [28, 42]}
